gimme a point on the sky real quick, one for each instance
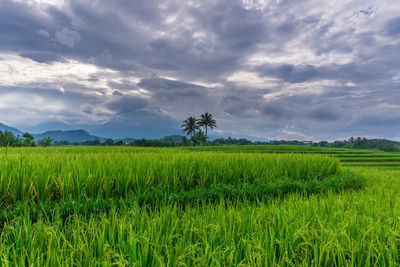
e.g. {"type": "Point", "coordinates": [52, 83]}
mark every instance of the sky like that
{"type": "Point", "coordinates": [273, 69]}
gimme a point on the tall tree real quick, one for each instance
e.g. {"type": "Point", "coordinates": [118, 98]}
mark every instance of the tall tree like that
{"type": "Point", "coordinates": [6, 138]}
{"type": "Point", "coordinates": [207, 120]}
{"type": "Point", "coordinates": [190, 126]}
{"type": "Point", "coordinates": [45, 142]}
{"type": "Point", "coordinates": [29, 140]}
{"type": "Point", "coordinates": [200, 138]}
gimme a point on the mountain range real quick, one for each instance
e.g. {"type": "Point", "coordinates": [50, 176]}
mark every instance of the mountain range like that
{"type": "Point", "coordinates": [13, 130]}
{"type": "Point", "coordinates": [104, 131]}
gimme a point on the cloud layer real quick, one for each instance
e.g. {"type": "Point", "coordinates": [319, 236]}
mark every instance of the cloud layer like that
{"type": "Point", "coordinates": [272, 68]}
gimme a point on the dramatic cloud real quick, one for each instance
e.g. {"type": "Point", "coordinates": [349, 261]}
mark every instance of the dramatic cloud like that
{"type": "Point", "coordinates": [264, 68]}
{"type": "Point", "coordinates": [68, 37]}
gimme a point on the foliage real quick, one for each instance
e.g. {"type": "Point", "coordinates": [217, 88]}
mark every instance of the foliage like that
{"type": "Point", "coordinates": [45, 142]}
{"type": "Point", "coordinates": [28, 136]}
{"type": "Point", "coordinates": [206, 120]}
{"type": "Point", "coordinates": [80, 173]}
{"type": "Point", "coordinates": [7, 139]}
{"type": "Point", "coordinates": [109, 142]}
{"type": "Point", "coordinates": [190, 126]}
{"type": "Point", "coordinates": [197, 206]}
{"type": "Point", "coordinates": [199, 138]}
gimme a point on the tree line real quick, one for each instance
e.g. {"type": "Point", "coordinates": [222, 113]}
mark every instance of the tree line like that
{"type": "Point", "coordinates": [7, 138]}
{"type": "Point", "coordinates": [193, 129]}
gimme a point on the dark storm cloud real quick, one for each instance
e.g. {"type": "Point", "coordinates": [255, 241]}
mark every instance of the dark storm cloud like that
{"type": "Point", "coordinates": [290, 73]}
{"type": "Point", "coordinates": [18, 27]}
{"type": "Point", "coordinates": [239, 106]}
{"type": "Point", "coordinates": [278, 111]}
{"type": "Point", "coordinates": [179, 98]}
{"type": "Point", "coordinates": [324, 114]}
{"type": "Point", "coordinates": [242, 102]}
{"type": "Point", "coordinates": [127, 103]}
{"type": "Point", "coordinates": [43, 57]}
{"type": "Point", "coordinates": [392, 27]}
{"type": "Point", "coordinates": [352, 72]}
{"type": "Point", "coordinates": [347, 81]}
{"type": "Point", "coordinates": [126, 32]}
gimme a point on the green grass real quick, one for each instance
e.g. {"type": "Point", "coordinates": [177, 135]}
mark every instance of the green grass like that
{"type": "Point", "coordinates": [359, 228]}
{"type": "Point", "coordinates": [357, 157]}
{"type": "Point", "coordinates": [57, 174]}
{"type": "Point", "coordinates": [229, 206]}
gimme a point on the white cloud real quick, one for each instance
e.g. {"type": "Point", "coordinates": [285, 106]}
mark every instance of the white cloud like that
{"type": "Point", "coordinates": [251, 79]}
{"type": "Point", "coordinates": [295, 134]}
{"type": "Point", "coordinates": [57, 3]}
{"type": "Point", "coordinates": [20, 71]}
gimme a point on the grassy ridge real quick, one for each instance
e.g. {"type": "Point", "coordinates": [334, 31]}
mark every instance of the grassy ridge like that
{"type": "Point", "coordinates": [156, 198]}
{"type": "Point", "coordinates": [349, 157]}
{"type": "Point", "coordinates": [51, 174]}
{"type": "Point", "coordinates": [354, 228]}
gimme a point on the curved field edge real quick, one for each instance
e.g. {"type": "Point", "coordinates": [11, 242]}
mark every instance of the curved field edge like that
{"type": "Point", "coordinates": [351, 228]}
{"type": "Point", "coordinates": [199, 196]}
{"type": "Point", "coordinates": [52, 175]}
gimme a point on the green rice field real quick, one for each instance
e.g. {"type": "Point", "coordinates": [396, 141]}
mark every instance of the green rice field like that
{"type": "Point", "coordinates": [349, 157]}
{"type": "Point", "coordinates": [199, 206]}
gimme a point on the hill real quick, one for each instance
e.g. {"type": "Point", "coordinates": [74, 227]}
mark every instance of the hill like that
{"type": "Point", "coordinates": [15, 131]}
{"type": "Point", "coordinates": [71, 136]}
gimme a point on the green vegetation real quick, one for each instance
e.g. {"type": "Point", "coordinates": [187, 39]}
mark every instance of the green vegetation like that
{"type": "Point", "coordinates": [191, 126]}
{"type": "Point", "coordinates": [79, 173]}
{"type": "Point", "coordinates": [207, 121]}
{"type": "Point", "coordinates": [198, 206]}
{"type": "Point", "coordinates": [349, 157]}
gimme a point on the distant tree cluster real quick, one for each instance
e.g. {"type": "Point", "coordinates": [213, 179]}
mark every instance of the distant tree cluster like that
{"type": "Point", "coordinates": [382, 144]}
{"type": "Point", "coordinates": [95, 142]}
{"type": "Point", "coordinates": [191, 126]}
{"type": "Point", "coordinates": [353, 142]}
{"type": "Point", "coordinates": [197, 137]}
{"type": "Point", "coordinates": [176, 140]}
{"type": "Point", "coordinates": [8, 139]}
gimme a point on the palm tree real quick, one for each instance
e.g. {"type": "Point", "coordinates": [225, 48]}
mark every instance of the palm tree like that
{"type": "Point", "coordinates": [45, 142]}
{"type": "Point", "coordinates": [6, 138]}
{"type": "Point", "coordinates": [190, 126]}
{"type": "Point", "coordinates": [200, 138]}
{"type": "Point", "coordinates": [185, 141]}
{"type": "Point", "coordinates": [207, 120]}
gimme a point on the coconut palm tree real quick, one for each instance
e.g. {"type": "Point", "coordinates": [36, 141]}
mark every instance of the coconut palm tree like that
{"type": "Point", "coordinates": [190, 126]}
{"type": "Point", "coordinates": [6, 138]}
{"type": "Point", "coordinates": [45, 142]}
{"type": "Point", "coordinates": [207, 120]}
{"type": "Point", "coordinates": [199, 138]}
{"type": "Point", "coordinates": [185, 141]}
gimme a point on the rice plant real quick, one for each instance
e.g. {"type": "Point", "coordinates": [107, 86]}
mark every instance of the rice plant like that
{"type": "Point", "coordinates": [58, 174]}
{"type": "Point", "coordinates": [125, 206]}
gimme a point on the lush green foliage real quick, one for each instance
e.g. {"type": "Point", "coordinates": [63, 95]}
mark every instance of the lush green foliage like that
{"type": "Point", "coordinates": [358, 228]}
{"type": "Point", "coordinates": [78, 173]}
{"type": "Point", "coordinates": [233, 206]}
{"type": "Point", "coordinates": [349, 157]}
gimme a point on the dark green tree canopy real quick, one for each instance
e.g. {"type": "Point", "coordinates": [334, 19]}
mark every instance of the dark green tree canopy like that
{"type": "Point", "coordinates": [207, 120]}
{"type": "Point", "coordinates": [190, 126]}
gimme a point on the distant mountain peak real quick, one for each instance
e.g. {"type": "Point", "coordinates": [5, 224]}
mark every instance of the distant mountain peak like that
{"type": "Point", "coordinates": [13, 130]}
{"type": "Point", "coordinates": [78, 135]}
